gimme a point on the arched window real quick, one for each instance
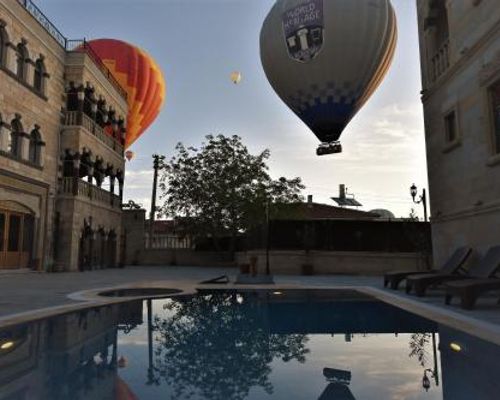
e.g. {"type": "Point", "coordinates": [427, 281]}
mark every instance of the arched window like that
{"type": "Point", "coordinates": [35, 146]}
{"type": "Point", "coordinates": [4, 39]}
{"type": "Point", "coordinates": [15, 137]}
{"type": "Point", "coordinates": [38, 81]}
{"type": "Point", "coordinates": [3, 136]}
{"type": "Point", "coordinates": [21, 56]}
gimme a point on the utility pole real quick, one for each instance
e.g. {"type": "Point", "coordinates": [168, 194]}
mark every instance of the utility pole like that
{"type": "Point", "coordinates": [157, 160]}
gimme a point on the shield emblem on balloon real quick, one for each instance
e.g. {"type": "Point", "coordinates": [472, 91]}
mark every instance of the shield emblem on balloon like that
{"type": "Point", "coordinates": [303, 27]}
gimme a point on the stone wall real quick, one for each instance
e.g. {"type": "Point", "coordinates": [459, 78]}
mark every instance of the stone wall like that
{"type": "Point", "coordinates": [133, 234]}
{"type": "Point", "coordinates": [334, 263]}
{"type": "Point", "coordinates": [23, 179]}
{"type": "Point", "coordinates": [291, 262]}
{"type": "Point", "coordinates": [74, 213]}
{"type": "Point", "coordinates": [463, 172]}
{"type": "Point", "coordinates": [184, 257]}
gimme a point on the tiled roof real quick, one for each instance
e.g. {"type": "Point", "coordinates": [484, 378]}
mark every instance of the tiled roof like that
{"type": "Point", "coordinates": [320, 211]}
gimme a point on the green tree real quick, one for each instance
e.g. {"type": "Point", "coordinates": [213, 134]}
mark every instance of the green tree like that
{"type": "Point", "coordinates": [221, 189]}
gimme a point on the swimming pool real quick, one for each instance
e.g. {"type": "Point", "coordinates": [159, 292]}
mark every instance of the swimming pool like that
{"type": "Point", "coordinates": [282, 344]}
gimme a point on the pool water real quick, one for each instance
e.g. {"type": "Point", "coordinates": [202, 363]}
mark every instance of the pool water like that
{"type": "Point", "coordinates": [224, 345]}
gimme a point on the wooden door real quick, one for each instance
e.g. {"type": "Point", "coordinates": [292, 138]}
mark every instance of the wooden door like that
{"type": "Point", "coordinates": [16, 239]}
{"type": "Point", "coordinates": [13, 240]}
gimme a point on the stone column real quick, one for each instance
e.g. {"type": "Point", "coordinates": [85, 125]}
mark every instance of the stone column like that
{"type": "Point", "coordinates": [112, 189]}
{"type": "Point", "coordinates": [11, 56]}
{"type": "Point", "coordinates": [91, 173]}
{"type": "Point", "coordinates": [24, 145]}
{"type": "Point", "coordinates": [29, 72]}
{"type": "Point", "coordinates": [4, 138]}
{"type": "Point", "coordinates": [120, 182]}
{"type": "Point", "coordinates": [41, 154]}
{"type": "Point", "coordinates": [81, 100]}
{"type": "Point", "coordinates": [76, 173]}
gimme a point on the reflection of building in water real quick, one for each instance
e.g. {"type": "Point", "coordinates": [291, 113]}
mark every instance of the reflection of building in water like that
{"type": "Point", "coordinates": [70, 356]}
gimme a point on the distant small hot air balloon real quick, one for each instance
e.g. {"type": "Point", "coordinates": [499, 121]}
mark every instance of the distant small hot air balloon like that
{"type": "Point", "coordinates": [325, 58]}
{"type": "Point", "coordinates": [129, 155]}
{"type": "Point", "coordinates": [236, 77]}
{"type": "Point", "coordinates": [140, 77]}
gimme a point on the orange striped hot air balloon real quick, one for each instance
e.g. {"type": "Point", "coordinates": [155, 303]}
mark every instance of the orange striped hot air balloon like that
{"type": "Point", "coordinates": [141, 78]}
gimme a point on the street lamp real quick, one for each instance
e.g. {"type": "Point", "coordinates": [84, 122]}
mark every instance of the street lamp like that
{"type": "Point", "coordinates": [268, 268]}
{"type": "Point", "coordinates": [422, 199]}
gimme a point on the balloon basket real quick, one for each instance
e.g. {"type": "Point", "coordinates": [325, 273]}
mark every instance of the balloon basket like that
{"type": "Point", "coordinates": [329, 148]}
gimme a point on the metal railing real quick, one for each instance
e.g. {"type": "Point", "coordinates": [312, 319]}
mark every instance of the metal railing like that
{"type": "Point", "coordinates": [86, 189]}
{"type": "Point", "coordinates": [440, 62]}
{"type": "Point", "coordinates": [79, 118]}
{"type": "Point", "coordinates": [82, 46]}
{"type": "Point", "coordinates": [42, 19]}
{"type": "Point", "coordinates": [162, 241]}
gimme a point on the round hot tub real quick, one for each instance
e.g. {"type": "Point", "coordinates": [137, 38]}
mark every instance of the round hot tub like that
{"type": "Point", "coordinates": [139, 292]}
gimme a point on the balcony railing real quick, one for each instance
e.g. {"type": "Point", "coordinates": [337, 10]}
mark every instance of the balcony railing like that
{"type": "Point", "coordinates": [79, 118]}
{"type": "Point", "coordinates": [440, 62]}
{"type": "Point", "coordinates": [85, 189]}
{"type": "Point", "coordinates": [70, 45]}
{"type": "Point", "coordinates": [44, 21]}
{"type": "Point", "coordinates": [82, 46]}
{"type": "Point", "coordinates": [162, 241]}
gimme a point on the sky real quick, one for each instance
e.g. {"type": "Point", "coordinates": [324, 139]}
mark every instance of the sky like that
{"type": "Point", "coordinates": [198, 43]}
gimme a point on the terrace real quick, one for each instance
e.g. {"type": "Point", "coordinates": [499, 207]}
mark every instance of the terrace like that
{"type": "Point", "coordinates": [54, 294]}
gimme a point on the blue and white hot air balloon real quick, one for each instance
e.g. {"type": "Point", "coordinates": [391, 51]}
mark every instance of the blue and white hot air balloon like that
{"type": "Point", "coordinates": [325, 58]}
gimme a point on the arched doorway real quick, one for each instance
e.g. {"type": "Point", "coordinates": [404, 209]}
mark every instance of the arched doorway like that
{"type": "Point", "coordinates": [17, 235]}
{"type": "Point", "coordinates": [86, 249]}
{"type": "Point", "coordinates": [111, 249]}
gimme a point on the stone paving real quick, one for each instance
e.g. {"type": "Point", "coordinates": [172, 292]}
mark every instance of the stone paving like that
{"type": "Point", "coordinates": [20, 292]}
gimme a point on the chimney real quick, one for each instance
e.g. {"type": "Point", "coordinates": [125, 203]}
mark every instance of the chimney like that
{"type": "Point", "coordinates": [309, 200]}
{"type": "Point", "coordinates": [342, 191]}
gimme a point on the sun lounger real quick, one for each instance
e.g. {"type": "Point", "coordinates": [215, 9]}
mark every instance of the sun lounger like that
{"type": "Point", "coordinates": [452, 265]}
{"type": "Point", "coordinates": [485, 268]}
{"type": "Point", "coordinates": [220, 280]}
{"type": "Point", "coordinates": [469, 290]}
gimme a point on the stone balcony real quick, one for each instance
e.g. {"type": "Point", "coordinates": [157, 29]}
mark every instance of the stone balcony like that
{"type": "Point", "coordinates": [80, 131]}
{"type": "Point", "coordinates": [78, 188]}
{"type": "Point", "coordinates": [439, 63]}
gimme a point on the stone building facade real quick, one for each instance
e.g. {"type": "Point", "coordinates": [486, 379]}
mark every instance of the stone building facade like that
{"type": "Point", "coordinates": [460, 62]}
{"type": "Point", "coordinates": [62, 129]}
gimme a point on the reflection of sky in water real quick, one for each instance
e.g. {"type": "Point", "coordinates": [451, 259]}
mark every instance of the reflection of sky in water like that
{"type": "Point", "coordinates": [380, 365]}
{"type": "Point", "coordinates": [265, 347]}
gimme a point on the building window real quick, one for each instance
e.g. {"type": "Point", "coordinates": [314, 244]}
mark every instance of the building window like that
{"type": "Point", "coordinates": [35, 146]}
{"type": "Point", "coordinates": [450, 125]}
{"type": "Point", "coordinates": [38, 81]}
{"type": "Point", "coordinates": [3, 45]}
{"type": "Point", "coordinates": [495, 107]}
{"type": "Point", "coordinates": [15, 137]}
{"type": "Point", "coordinates": [21, 56]}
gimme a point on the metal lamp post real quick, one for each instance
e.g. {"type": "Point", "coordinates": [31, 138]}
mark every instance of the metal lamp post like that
{"type": "Point", "coordinates": [268, 269]}
{"type": "Point", "coordinates": [157, 163]}
{"type": "Point", "coordinates": [422, 199]}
